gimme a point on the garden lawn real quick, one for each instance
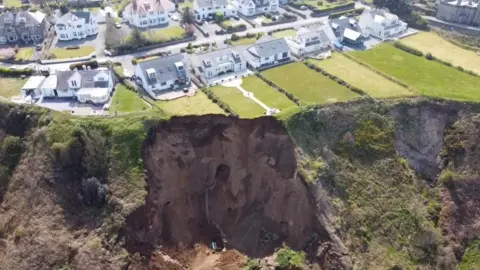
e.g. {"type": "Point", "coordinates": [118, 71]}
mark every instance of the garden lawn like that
{"type": "Point", "coordinates": [432, 43]}
{"type": "Point", "coordinates": [243, 106]}
{"type": "Point", "coordinates": [10, 87]}
{"type": "Point", "coordinates": [285, 33]}
{"type": "Point", "coordinates": [185, 4]}
{"type": "Point", "coordinates": [24, 54]}
{"type": "Point", "coordinates": [266, 20]}
{"type": "Point", "coordinates": [321, 4]}
{"type": "Point", "coordinates": [227, 23]}
{"type": "Point", "coordinates": [429, 78]}
{"type": "Point", "coordinates": [244, 41]}
{"type": "Point", "coordinates": [194, 105]}
{"type": "Point", "coordinates": [308, 85]}
{"type": "Point", "coordinates": [266, 94]}
{"type": "Point", "coordinates": [165, 34]}
{"type": "Point", "coordinates": [119, 69]}
{"type": "Point", "coordinates": [126, 101]}
{"type": "Point", "coordinates": [12, 3]}
{"type": "Point", "coordinates": [62, 53]}
{"type": "Point", "coordinates": [361, 77]}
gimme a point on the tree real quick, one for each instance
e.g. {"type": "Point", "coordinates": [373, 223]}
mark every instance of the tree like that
{"type": "Point", "coordinates": [187, 16]}
{"type": "Point", "coordinates": [63, 9]}
{"type": "Point", "coordinates": [137, 39]}
{"type": "Point", "coordinates": [112, 39]}
{"type": "Point", "coordinates": [219, 17]}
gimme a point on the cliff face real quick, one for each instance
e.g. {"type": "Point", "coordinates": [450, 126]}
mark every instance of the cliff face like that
{"type": "Point", "coordinates": [363, 185]}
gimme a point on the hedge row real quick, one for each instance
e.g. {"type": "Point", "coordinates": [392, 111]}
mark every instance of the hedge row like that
{"type": "Point", "coordinates": [407, 49]}
{"type": "Point", "coordinates": [430, 57]}
{"type": "Point", "coordinates": [10, 72]}
{"type": "Point", "coordinates": [230, 29]}
{"type": "Point", "coordinates": [289, 9]}
{"type": "Point", "coordinates": [386, 76]}
{"type": "Point", "coordinates": [347, 13]}
{"type": "Point", "coordinates": [279, 30]}
{"type": "Point", "coordinates": [218, 101]}
{"type": "Point", "coordinates": [279, 89]}
{"type": "Point", "coordinates": [335, 78]}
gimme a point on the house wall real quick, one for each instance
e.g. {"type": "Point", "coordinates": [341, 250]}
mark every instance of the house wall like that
{"type": "Point", "coordinates": [458, 14]}
{"type": "Point", "coordinates": [148, 19]}
{"type": "Point", "coordinates": [251, 10]}
{"type": "Point", "coordinates": [203, 13]}
{"type": "Point", "coordinates": [78, 29]}
{"type": "Point", "coordinates": [48, 92]}
{"type": "Point", "coordinates": [65, 93]}
{"type": "Point", "coordinates": [372, 28]}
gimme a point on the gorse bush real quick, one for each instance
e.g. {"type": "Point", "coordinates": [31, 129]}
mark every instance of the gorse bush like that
{"type": "Point", "coordinates": [290, 259]}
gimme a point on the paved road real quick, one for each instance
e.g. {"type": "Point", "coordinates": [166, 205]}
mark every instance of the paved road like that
{"type": "Point", "coordinates": [126, 60]}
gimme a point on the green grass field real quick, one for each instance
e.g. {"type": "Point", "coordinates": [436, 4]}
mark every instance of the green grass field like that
{"type": "Point", "coordinates": [165, 33]}
{"type": "Point", "coordinates": [308, 85]}
{"type": "Point", "coordinates": [194, 105]}
{"type": "Point", "coordinates": [10, 87]}
{"type": "Point", "coordinates": [265, 93]}
{"type": "Point", "coordinates": [243, 106]}
{"type": "Point", "coordinates": [361, 77]}
{"type": "Point", "coordinates": [285, 33]}
{"type": "Point", "coordinates": [24, 54]}
{"type": "Point", "coordinates": [12, 3]}
{"type": "Point", "coordinates": [443, 49]}
{"type": "Point", "coordinates": [126, 101]}
{"type": "Point", "coordinates": [316, 3]}
{"type": "Point", "coordinates": [62, 53]}
{"type": "Point", "coordinates": [429, 78]}
{"type": "Point", "coordinates": [244, 41]}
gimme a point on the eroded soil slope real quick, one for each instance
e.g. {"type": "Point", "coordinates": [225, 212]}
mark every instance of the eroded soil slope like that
{"type": "Point", "coordinates": [215, 178]}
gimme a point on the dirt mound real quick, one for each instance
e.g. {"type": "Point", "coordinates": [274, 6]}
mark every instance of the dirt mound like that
{"type": "Point", "coordinates": [225, 180]}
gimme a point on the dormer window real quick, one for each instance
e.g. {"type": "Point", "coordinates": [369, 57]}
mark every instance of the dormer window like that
{"type": "Point", "coordinates": [151, 73]}
{"type": "Point", "coordinates": [74, 83]}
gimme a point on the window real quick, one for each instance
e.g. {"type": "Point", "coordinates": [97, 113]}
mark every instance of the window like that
{"type": "Point", "coordinates": [285, 55]}
{"type": "Point", "coordinates": [209, 74]}
{"type": "Point", "coordinates": [143, 16]}
{"type": "Point", "coordinates": [9, 30]}
{"type": "Point", "coordinates": [63, 36]}
{"type": "Point", "coordinates": [74, 34]}
{"type": "Point", "coordinates": [74, 83]}
{"type": "Point", "coordinates": [79, 26]}
{"type": "Point", "coordinates": [162, 19]}
{"type": "Point", "coordinates": [163, 83]}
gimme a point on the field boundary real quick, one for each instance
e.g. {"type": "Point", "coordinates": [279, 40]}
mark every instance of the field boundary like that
{"type": "Point", "coordinates": [289, 95]}
{"type": "Point", "coordinates": [386, 76]}
{"type": "Point", "coordinates": [215, 99]}
{"type": "Point", "coordinates": [336, 79]}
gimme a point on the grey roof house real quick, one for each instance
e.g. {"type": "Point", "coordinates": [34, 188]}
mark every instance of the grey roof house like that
{"type": "Point", "coordinates": [347, 30]}
{"type": "Point", "coordinates": [267, 53]}
{"type": "Point", "coordinates": [161, 74]}
{"type": "Point", "coordinates": [23, 26]}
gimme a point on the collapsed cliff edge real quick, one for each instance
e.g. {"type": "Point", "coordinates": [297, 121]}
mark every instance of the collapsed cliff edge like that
{"type": "Point", "coordinates": [360, 185]}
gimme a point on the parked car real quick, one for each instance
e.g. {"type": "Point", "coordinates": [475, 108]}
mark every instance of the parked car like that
{"type": "Point", "coordinates": [73, 47]}
{"type": "Point", "coordinates": [235, 17]}
{"type": "Point", "coordinates": [174, 17]}
{"type": "Point", "coordinates": [106, 107]}
{"type": "Point", "coordinates": [107, 53]}
{"type": "Point", "coordinates": [117, 25]}
{"type": "Point", "coordinates": [303, 8]}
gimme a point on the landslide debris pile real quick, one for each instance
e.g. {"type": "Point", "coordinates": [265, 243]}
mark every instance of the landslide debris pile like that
{"type": "Point", "coordinates": [363, 185]}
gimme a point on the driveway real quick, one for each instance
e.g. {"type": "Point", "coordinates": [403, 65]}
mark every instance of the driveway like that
{"type": "Point", "coordinates": [97, 41]}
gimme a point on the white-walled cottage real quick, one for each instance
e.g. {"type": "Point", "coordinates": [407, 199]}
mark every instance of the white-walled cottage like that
{"type": "Point", "coordinates": [147, 13]}
{"type": "Point", "coordinates": [257, 7]}
{"type": "Point", "coordinates": [76, 25]}
{"type": "Point", "coordinates": [381, 24]}
{"type": "Point", "coordinates": [207, 9]}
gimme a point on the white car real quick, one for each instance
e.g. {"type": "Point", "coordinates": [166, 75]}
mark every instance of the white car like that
{"type": "Point", "coordinates": [107, 53]}
{"type": "Point", "coordinates": [174, 17]}
{"type": "Point", "coordinates": [303, 8]}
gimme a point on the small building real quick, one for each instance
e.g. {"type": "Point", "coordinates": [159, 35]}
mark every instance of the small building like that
{"type": "Point", "coordinates": [207, 9]}
{"type": "Point", "coordinates": [148, 13]}
{"type": "Point", "coordinates": [257, 7]}
{"type": "Point", "coordinates": [347, 31]}
{"type": "Point", "coordinates": [308, 40]}
{"type": "Point", "coordinates": [76, 25]}
{"type": "Point", "coordinates": [381, 24]}
{"type": "Point", "coordinates": [162, 74]}
{"type": "Point", "coordinates": [32, 86]}
{"type": "Point", "coordinates": [212, 66]}
{"type": "Point", "coordinates": [266, 53]}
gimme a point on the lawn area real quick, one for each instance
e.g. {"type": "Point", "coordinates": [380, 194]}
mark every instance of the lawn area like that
{"type": "Point", "coordinates": [119, 69]}
{"type": "Point", "coordinates": [165, 33]}
{"type": "Point", "coordinates": [194, 105]}
{"type": "Point", "coordinates": [265, 93]}
{"type": "Point", "coordinates": [62, 53]}
{"type": "Point", "coordinates": [227, 23]}
{"type": "Point", "coordinates": [126, 101]}
{"type": "Point", "coordinates": [361, 77]}
{"type": "Point", "coordinates": [320, 4]}
{"type": "Point", "coordinates": [12, 3]}
{"type": "Point", "coordinates": [185, 4]}
{"type": "Point", "coordinates": [443, 49]}
{"type": "Point", "coordinates": [10, 87]}
{"type": "Point", "coordinates": [244, 41]}
{"type": "Point", "coordinates": [243, 106]}
{"type": "Point", "coordinates": [308, 85]}
{"type": "Point", "coordinates": [24, 54]}
{"type": "Point", "coordinates": [429, 78]}
{"type": "Point", "coordinates": [285, 33]}
{"type": "Point", "coordinates": [266, 20]}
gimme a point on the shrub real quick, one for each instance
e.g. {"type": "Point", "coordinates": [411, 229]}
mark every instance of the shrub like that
{"type": "Point", "coordinates": [446, 178]}
{"type": "Point", "coordinates": [407, 48]}
{"type": "Point", "coordinates": [252, 264]}
{"type": "Point", "coordinates": [235, 37]}
{"type": "Point", "coordinates": [268, 15]}
{"type": "Point", "coordinates": [290, 259]}
{"type": "Point", "coordinates": [9, 72]}
{"type": "Point", "coordinates": [93, 64]}
{"type": "Point", "coordinates": [251, 35]}
{"type": "Point", "coordinates": [429, 56]}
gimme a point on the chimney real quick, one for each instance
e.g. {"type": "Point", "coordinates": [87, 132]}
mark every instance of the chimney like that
{"type": "Point", "coordinates": [134, 4]}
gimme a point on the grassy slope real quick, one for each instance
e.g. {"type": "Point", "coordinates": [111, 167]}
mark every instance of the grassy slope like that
{"type": "Point", "coordinates": [361, 77]}
{"type": "Point", "coordinates": [243, 106]}
{"type": "Point", "coordinates": [125, 101]}
{"type": "Point", "coordinates": [428, 77]}
{"type": "Point", "coordinates": [266, 94]}
{"type": "Point", "coordinates": [25, 54]}
{"type": "Point", "coordinates": [307, 85]}
{"type": "Point", "coordinates": [443, 49]}
{"type": "Point", "coordinates": [10, 87]}
{"type": "Point", "coordinates": [195, 105]}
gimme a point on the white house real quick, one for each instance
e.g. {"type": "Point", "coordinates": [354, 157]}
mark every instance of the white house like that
{"type": "Point", "coordinates": [256, 7]}
{"type": "Point", "coordinates": [309, 40]}
{"type": "Point", "coordinates": [94, 86]}
{"type": "Point", "coordinates": [381, 24]}
{"type": "Point", "coordinates": [212, 66]}
{"type": "Point", "coordinates": [147, 13]}
{"type": "Point", "coordinates": [204, 9]}
{"type": "Point", "coordinates": [267, 53]}
{"type": "Point", "coordinates": [161, 74]}
{"type": "Point", "coordinates": [32, 86]}
{"type": "Point", "coordinates": [76, 25]}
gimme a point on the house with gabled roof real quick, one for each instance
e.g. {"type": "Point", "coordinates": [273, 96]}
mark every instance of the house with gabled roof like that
{"type": "Point", "coordinates": [213, 66]}
{"type": "Point", "coordinates": [348, 31]}
{"type": "Point", "coordinates": [148, 13]}
{"type": "Point", "coordinates": [162, 74]}
{"type": "Point", "coordinates": [381, 24]}
{"type": "Point", "coordinates": [207, 9]}
{"type": "Point", "coordinates": [76, 25]}
{"type": "Point", "coordinates": [267, 52]}
{"type": "Point", "coordinates": [257, 7]}
{"type": "Point", "coordinates": [23, 26]}
{"type": "Point", "coordinates": [310, 39]}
